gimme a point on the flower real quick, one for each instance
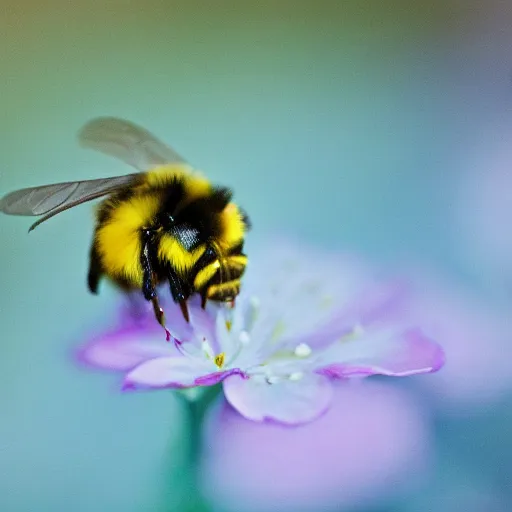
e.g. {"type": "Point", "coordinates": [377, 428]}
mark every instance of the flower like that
{"type": "Point", "coordinates": [303, 319]}
{"type": "Point", "coordinates": [374, 443]}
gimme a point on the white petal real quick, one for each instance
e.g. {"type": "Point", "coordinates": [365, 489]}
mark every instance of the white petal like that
{"type": "Point", "coordinates": [383, 352]}
{"type": "Point", "coordinates": [228, 331]}
{"type": "Point", "coordinates": [166, 372]}
{"type": "Point", "coordinates": [301, 289]}
{"type": "Point", "coordinates": [286, 401]}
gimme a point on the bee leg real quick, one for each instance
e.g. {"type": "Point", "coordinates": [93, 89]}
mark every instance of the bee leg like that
{"type": "Point", "coordinates": [203, 299]}
{"type": "Point", "coordinates": [159, 312]}
{"type": "Point", "coordinates": [178, 293]}
{"type": "Point", "coordinates": [95, 270]}
{"type": "Point", "coordinates": [148, 282]}
{"type": "Point", "coordinates": [208, 256]}
{"type": "Point", "coordinates": [184, 310]}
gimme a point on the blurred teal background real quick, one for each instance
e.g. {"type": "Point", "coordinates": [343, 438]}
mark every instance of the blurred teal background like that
{"type": "Point", "coordinates": [343, 123]}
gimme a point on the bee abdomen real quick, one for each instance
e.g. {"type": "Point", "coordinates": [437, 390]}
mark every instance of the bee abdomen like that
{"type": "Point", "coordinates": [224, 292]}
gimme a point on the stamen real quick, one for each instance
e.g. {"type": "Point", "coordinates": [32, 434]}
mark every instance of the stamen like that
{"type": "Point", "coordinates": [219, 360]}
{"type": "Point", "coordinates": [252, 313]}
{"type": "Point", "coordinates": [278, 330]}
{"type": "Point", "coordinates": [207, 349]}
{"type": "Point", "coordinates": [228, 316]}
{"type": "Point", "coordinates": [303, 350]}
{"type": "Point", "coordinates": [244, 338]}
{"type": "Point", "coordinates": [295, 376]}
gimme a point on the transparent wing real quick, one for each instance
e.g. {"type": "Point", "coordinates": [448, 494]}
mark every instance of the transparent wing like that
{"type": "Point", "coordinates": [128, 142]}
{"type": "Point", "coordinates": [49, 200]}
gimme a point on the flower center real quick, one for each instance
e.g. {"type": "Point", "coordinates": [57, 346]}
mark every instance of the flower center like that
{"type": "Point", "coordinates": [219, 360]}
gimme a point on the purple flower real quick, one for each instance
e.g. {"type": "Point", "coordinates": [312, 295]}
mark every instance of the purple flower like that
{"type": "Point", "coordinates": [373, 443]}
{"type": "Point", "coordinates": [303, 319]}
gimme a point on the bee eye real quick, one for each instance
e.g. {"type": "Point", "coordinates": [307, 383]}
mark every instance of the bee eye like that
{"type": "Point", "coordinates": [166, 220]}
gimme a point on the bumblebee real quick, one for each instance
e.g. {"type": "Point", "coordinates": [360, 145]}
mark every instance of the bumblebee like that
{"type": "Point", "coordinates": [165, 222]}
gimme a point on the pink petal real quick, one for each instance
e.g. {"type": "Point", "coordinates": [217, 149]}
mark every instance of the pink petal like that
{"type": "Point", "coordinates": [125, 348]}
{"type": "Point", "coordinates": [289, 402]}
{"type": "Point", "coordinates": [168, 372]}
{"type": "Point", "coordinates": [138, 313]}
{"type": "Point", "coordinates": [371, 444]}
{"type": "Point", "coordinates": [376, 306]}
{"type": "Point", "coordinates": [397, 355]}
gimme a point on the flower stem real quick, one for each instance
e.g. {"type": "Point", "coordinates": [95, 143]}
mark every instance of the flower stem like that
{"type": "Point", "coordinates": [195, 409]}
{"type": "Point", "coordinates": [195, 422]}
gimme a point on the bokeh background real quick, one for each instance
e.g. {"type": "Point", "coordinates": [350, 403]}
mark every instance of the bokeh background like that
{"type": "Point", "coordinates": [381, 128]}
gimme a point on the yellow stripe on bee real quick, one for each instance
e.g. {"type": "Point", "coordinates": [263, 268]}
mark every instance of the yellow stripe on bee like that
{"type": "Point", "coordinates": [197, 186]}
{"type": "Point", "coordinates": [205, 274]}
{"type": "Point", "coordinates": [165, 174]}
{"type": "Point", "coordinates": [229, 290]}
{"type": "Point", "coordinates": [194, 183]}
{"type": "Point", "coordinates": [170, 249]}
{"type": "Point", "coordinates": [118, 240]}
{"type": "Point", "coordinates": [236, 260]}
{"type": "Point", "coordinates": [233, 227]}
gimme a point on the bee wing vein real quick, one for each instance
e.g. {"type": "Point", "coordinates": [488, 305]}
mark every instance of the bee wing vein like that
{"type": "Point", "coordinates": [47, 198]}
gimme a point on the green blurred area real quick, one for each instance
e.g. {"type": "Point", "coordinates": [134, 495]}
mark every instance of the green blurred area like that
{"type": "Point", "coordinates": [328, 119]}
